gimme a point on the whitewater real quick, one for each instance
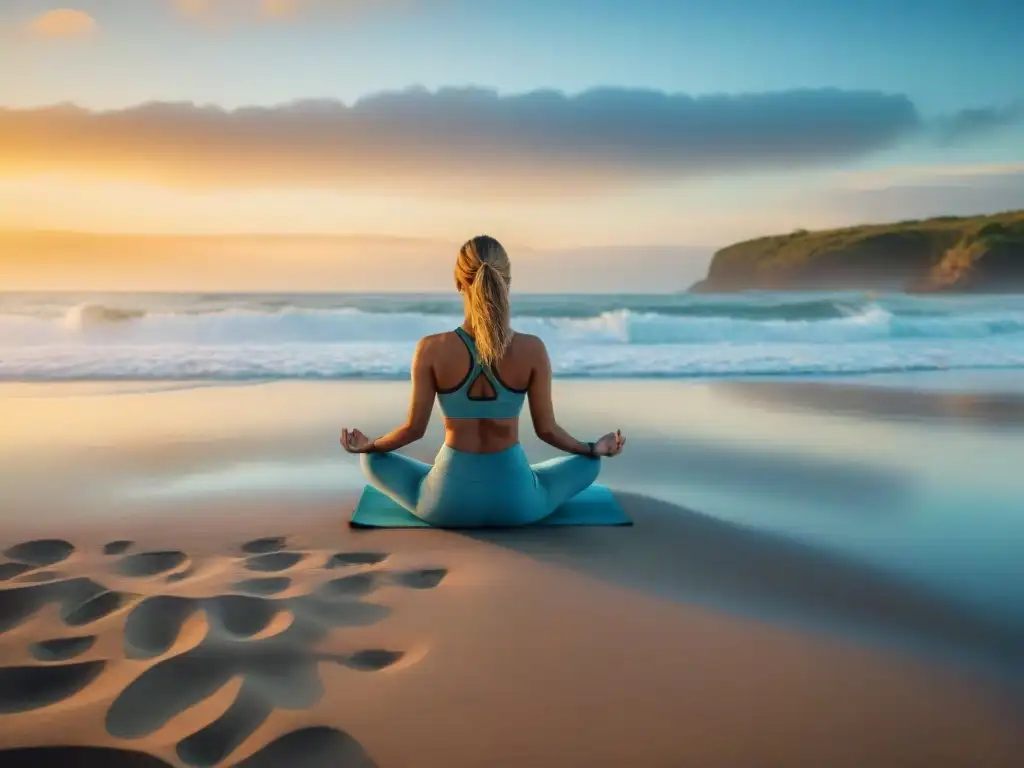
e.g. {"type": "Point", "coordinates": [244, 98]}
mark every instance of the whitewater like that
{"type": "Point", "coordinates": [237, 337]}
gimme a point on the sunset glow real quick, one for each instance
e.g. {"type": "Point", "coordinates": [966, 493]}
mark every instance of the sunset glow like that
{"type": "Point", "coordinates": [342, 119]}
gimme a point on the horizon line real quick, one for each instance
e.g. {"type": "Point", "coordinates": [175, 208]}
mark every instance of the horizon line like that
{"type": "Point", "coordinates": [6, 231]}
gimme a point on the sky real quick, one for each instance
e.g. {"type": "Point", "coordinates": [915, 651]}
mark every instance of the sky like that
{"type": "Point", "coordinates": [644, 129]}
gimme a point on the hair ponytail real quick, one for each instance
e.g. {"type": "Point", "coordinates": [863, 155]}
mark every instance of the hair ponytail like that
{"type": "Point", "coordinates": [489, 314]}
{"type": "Point", "coordinates": [484, 271]}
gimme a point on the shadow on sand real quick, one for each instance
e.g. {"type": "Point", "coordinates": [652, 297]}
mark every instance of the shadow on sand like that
{"type": "Point", "coordinates": [991, 410]}
{"type": "Point", "coordinates": [824, 482]}
{"type": "Point", "coordinates": [681, 555]}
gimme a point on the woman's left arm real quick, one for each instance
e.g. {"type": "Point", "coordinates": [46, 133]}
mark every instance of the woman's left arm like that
{"type": "Point", "coordinates": [420, 407]}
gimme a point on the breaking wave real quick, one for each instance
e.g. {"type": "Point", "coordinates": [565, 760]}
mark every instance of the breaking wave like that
{"type": "Point", "coordinates": [246, 337]}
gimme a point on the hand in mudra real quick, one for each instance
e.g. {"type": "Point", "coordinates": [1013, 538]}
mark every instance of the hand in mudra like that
{"type": "Point", "coordinates": [610, 445]}
{"type": "Point", "coordinates": [354, 441]}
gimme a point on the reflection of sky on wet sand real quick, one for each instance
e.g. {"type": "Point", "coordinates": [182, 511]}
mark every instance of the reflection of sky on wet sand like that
{"type": "Point", "coordinates": [995, 410]}
{"type": "Point", "coordinates": [941, 499]}
{"type": "Point", "coordinates": [251, 478]}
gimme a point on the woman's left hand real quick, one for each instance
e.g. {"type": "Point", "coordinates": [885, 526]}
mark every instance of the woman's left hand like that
{"type": "Point", "coordinates": [610, 445]}
{"type": "Point", "coordinates": [354, 441]}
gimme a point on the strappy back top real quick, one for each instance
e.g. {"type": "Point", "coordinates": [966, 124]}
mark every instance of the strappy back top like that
{"type": "Point", "coordinates": [457, 403]}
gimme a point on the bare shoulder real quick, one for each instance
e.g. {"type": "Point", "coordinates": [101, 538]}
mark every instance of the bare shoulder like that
{"type": "Point", "coordinates": [430, 345]}
{"type": "Point", "coordinates": [530, 345]}
{"type": "Point", "coordinates": [434, 339]}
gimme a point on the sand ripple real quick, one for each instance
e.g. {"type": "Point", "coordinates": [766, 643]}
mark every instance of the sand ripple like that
{"type": "Point", "coordinates": [62, 648]}
{"type": "Point", "coordinates": [193, 646]}
{"type": "Point", "coordinates": [26, 688]}
{"type": "Point", "coordinates": [41, 552]}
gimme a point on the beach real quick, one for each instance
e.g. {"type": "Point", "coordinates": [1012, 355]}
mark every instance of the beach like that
{"type": "Point", "coordinates": [801, 586]}
{"type": "Point", "coordinates": [778, 248]}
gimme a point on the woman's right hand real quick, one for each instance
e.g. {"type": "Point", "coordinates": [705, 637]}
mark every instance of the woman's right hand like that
{"type": "Point", "coordinates": [610, 445]}
{"type": "Point", "coordinates": [354, 441]}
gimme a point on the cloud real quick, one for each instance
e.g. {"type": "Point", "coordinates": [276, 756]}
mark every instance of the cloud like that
{"type": "Point", "coordinates": [950, 174]}
{"type": "Point", "coordinates": [918, 193]}
{"type": "Point", "coordinates": [277, 9]}
{"type": "Point", "coordinates": [194, 7]}
{"type": "Point", "coordinates": [970, 123]}
{"type": "Point", "coordinates": [63, 23]}
{"type": "Point", "coordinates": [467, 140]}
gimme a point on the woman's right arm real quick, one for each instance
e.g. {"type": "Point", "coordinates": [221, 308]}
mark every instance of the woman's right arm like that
{"type": "Point", "coordinates": [543, 410]}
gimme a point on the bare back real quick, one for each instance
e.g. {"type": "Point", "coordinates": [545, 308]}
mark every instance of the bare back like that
{"type": "Point", "coordinates": [450, 363]}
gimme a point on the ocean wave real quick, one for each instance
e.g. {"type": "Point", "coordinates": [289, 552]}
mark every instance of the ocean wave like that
{"type": "Point", "coordinates": [743, 306]}
{"type": "Point", "coordinates": [240, 337]}
{"type": "Point", "coordinates": [90, 324]}
{"type": "Point", "coordinates": [81, 317]}
{"type": "Point", "coordinates": [391, 361]}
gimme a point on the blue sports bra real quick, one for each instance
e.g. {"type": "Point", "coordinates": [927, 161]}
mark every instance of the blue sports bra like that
{"type": "Point", "coordinates": [457, 403]}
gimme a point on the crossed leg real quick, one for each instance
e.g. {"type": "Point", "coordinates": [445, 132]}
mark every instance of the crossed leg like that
{"type": "Point", "coordinates": [396, 475]}
{"type": "Point", "coordinates": [401, 478]}
{"type": "Point", "coordinates": [564, 477]}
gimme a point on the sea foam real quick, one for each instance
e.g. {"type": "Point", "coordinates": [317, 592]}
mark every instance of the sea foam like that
{"type": "Point", "coordinates": [257, 337]}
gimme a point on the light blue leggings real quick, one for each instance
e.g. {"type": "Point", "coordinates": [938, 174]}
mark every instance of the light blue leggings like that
{"type": "Point", "coordinates": [479, 489]}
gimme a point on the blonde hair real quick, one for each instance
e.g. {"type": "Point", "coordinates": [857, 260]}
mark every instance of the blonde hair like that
{"type": "Point", "coordinates": [483, 271]}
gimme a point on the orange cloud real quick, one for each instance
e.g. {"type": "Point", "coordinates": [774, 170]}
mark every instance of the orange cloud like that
{"type": "Point", "coordinates": [194, 7]}
{"type": "Point", "coordinates": [279, 8]}
{"type": "Point", "coordinates": [63, 23]}
{"type": "Point", "coordinates": [465, 141]}
{"type": "Point", "coordinates": [276, 9]}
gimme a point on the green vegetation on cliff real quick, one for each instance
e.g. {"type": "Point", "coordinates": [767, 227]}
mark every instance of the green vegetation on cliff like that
{"type": "Point", "coordinates": [977, 253]}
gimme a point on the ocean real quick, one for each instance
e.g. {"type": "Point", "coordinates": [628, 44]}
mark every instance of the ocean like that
{"type": "Point", "coordinates": [243, 337]}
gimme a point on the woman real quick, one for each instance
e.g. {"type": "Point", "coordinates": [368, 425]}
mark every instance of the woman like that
{"type": "Point", "coordinates": [481, 373]}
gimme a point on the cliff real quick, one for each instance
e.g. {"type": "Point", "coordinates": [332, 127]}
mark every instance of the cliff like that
{"type": "Point", "coordinates": [955, 254]}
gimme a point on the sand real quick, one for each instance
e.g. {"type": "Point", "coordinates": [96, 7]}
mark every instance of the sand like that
{"type": "Point", "coordinates": [259, 630]}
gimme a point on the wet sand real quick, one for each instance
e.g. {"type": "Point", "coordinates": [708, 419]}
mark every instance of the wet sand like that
{"type": "Point", "coordinates": [178, 586]}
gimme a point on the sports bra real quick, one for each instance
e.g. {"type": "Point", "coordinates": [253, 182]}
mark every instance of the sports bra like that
{"type": "Point", "coordinates": [458, 403]}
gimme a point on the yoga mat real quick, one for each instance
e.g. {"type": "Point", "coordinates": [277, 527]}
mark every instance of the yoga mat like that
{"type": "Point", "coordinates": [594, 506]}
